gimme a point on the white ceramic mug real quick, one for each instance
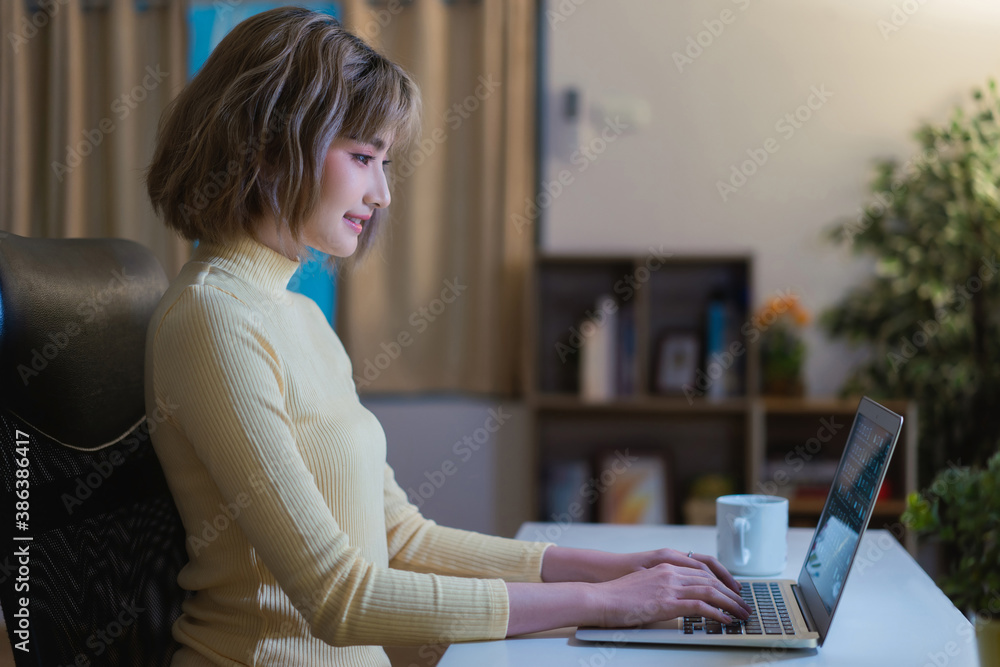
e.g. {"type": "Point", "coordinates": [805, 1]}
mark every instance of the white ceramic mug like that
{"type": "Point", "coordinates": [753, 533]}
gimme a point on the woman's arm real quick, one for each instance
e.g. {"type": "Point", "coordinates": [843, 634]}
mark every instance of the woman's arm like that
{"type": "Point", "coordinates": [567, 564]}
{"type": "Point", "coordinates": [582, 586]}
{"type": "Point", "coordinates": [420, 545]}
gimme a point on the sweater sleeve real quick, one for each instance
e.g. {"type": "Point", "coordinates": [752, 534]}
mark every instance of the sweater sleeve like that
{"type": "Point", "coordinates": [211, 354]}
{"type": "Point", "coordinates": [420, 545]}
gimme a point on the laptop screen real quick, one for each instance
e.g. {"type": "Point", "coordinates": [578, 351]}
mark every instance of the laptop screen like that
{"type": "Point", "coordinates": [852, 495]}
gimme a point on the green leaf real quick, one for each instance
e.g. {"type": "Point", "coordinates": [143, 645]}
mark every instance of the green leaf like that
{"type": "Point", "coordinates": [929, 237]}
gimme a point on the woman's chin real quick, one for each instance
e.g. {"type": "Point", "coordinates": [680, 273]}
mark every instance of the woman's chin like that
{"type": "Point", "coordinates": [342, 248]}
{"type": "Point", "coordinates": [344, 252]}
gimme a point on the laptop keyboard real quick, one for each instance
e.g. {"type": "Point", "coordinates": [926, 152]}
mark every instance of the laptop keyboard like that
{"type": "Point", "coordinates": [768, 614]}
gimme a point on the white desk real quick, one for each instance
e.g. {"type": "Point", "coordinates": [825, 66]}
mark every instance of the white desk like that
{"type": "Point", "coordinates": [886, 589]}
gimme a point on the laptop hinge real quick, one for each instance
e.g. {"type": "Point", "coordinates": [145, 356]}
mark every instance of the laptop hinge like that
{"type": "Point", "coordinates": [804, 609]}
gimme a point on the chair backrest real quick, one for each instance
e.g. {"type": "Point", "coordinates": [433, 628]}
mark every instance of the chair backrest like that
{"type": "Point", "coordinates": [90, 539]}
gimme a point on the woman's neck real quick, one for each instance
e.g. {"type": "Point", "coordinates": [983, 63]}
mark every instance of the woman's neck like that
{"type": "Point", "coordinates": [267, 233]}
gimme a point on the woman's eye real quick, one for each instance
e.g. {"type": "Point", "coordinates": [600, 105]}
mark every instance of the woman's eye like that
{"type": "Point", "coordinates": [363, 159]}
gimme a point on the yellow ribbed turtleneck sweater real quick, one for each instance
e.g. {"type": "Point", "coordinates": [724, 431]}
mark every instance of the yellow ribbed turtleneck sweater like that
{"type": "Point", "coordinates": [303, 549]}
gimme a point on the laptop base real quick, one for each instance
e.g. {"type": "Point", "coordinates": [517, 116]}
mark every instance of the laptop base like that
{"type": "Point", "coordinates": [674, 631]}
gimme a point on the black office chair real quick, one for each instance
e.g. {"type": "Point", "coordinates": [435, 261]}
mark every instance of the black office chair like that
{"type": "Point", "coordinates": [103, 538]}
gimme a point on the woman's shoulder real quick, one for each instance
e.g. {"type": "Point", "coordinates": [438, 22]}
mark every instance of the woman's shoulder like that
{"type": "Point", "coordinates": [190, 309]}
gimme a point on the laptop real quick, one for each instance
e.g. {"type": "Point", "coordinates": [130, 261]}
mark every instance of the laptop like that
{"type": "Point", "coordinates": [787, 613]}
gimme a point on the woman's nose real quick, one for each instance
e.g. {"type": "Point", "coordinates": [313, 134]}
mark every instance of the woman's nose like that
{"type": "Point", "coordinates": [378, 193]}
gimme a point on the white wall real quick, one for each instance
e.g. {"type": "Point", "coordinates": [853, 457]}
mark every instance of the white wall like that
{"type": "Point", "coordinates": [658, 184]}
{"type": "Point", "coordinates": [481, 484]}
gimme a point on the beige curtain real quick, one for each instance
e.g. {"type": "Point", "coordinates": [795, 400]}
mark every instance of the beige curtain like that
{"type": "Point", "coordinates": [442, 307]}
{"type": "Point", "coordinates": [83, 87]}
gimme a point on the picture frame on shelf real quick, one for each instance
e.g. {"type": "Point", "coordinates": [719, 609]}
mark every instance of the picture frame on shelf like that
{"type": "Point", "coordinates": [635, 486]}
{"type": "Point", "coordinates": [678, 354]}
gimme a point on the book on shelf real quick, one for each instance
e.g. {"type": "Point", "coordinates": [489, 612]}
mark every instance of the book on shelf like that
{"type": "Point", "coordinates": [725, 351]}
{"type": "Point", "coordinates": [626, 352]}
{"type": "Point", "coordinates": [566, 484]}
{"type": "Point", "coordinates": [599, 352]}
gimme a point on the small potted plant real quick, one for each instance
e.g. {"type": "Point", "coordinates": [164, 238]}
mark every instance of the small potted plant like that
{"type": "Point", "coordinates": [961, 508]}
{"type": "Point", "coordinates": [782, 352]}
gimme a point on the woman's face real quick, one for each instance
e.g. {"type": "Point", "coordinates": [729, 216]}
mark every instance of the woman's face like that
{"type": "Point", "coordinates": [353, 185]}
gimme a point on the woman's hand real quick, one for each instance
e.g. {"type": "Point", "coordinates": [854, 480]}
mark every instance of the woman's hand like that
{"type": "Point", "coordinates": [665, 591]}
{"type": "Point", "coordinates": [567, 564]}
{"type": "Point", "coordinates": [622, 590]}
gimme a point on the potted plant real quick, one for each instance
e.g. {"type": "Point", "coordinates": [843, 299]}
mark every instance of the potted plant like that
{"type": "Point", "coordinates": [928, 315]}
{"type": "Point", "coordinates": [782, 351]}
{"type": "Point", "coordinates": [961, 508]}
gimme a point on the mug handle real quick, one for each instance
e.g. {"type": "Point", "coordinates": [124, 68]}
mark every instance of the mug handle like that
{"type": "Point", "coordinates": [742, 525]}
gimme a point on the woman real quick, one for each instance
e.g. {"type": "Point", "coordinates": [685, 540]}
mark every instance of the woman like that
{"type": "Point", "coordinates": [303, 549]}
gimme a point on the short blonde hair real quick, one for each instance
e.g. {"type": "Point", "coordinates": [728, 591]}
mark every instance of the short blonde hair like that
{"type": "Point", "coordinates": [249, 134]}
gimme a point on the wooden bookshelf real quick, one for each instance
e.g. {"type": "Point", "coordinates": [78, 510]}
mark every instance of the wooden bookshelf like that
{"type": "Point", "coordinates": [698, 434]}
{"type": "Point", "coordinates": [650, 404]}
{"type": "Point", "coordinates": [737, 436]}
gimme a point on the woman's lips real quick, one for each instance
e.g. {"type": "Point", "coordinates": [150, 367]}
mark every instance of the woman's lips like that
{"type": "Point", "coordinates": [353, 225]}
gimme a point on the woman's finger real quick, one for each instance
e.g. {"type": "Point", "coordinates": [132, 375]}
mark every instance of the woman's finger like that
{"type": "Point", "coordinates": [716, 598]}
{"type": "Point", "coordinates": [702, 608]}
{"type": "Point", "coordinates": [716, 568]}
{"type": "Point", "coordinates": [718, 586]}
{"type": "Point", "coordinates": [702, 570]}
